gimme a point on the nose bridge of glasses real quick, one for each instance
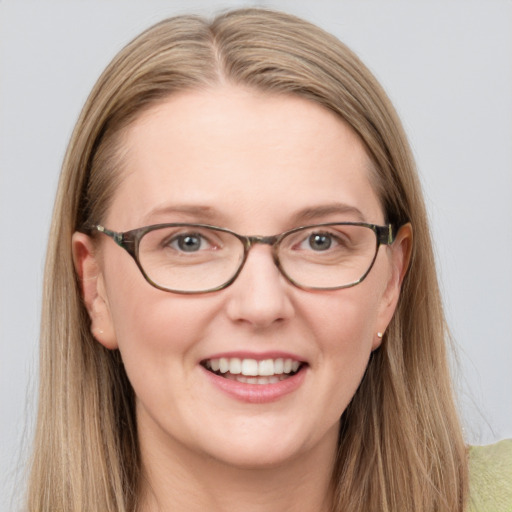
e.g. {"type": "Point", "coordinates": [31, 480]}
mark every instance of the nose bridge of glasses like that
{"type": "Point", "coordinates": [251, 241]}
{"type": "Point", "coordinates": [265, 240]}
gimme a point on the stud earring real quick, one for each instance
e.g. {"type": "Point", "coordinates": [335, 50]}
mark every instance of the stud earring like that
{"type": "Point", "coordinates": [379, 335]}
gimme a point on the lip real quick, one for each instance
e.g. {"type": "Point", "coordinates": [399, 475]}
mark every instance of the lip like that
{"type": "Point", "coordinates": [256, 393]}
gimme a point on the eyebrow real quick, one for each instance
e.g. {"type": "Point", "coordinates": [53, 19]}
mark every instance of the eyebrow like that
{"type": "Point", "coordinates": [314, 213]}
{"type": "Point", "coordinates": [205, 213]}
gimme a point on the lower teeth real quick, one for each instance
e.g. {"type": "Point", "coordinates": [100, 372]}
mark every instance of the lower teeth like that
{"type": "Point", "coordinates": [274, 379]}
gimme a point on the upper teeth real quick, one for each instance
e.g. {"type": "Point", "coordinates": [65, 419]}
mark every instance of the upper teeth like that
{"type": "Point", "coordinates": [252, 367]}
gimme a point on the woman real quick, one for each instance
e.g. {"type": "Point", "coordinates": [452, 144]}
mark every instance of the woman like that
{"type": "Point", "coordinates": [226, 359]}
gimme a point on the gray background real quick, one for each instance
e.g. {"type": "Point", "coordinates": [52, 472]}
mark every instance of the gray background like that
{"type": "Point", "coordinates": [447, 65]}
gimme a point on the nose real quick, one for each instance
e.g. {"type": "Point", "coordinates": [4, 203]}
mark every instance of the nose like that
{"type": "Point", "coordinates": [260, 296]}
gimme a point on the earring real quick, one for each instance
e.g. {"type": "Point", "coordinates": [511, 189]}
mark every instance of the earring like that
{"type": "Point", "coordinates": [379, 335]}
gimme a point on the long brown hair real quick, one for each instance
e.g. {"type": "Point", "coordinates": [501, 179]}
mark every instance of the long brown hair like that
{"type": "Point", "coordinates": [401, 447]}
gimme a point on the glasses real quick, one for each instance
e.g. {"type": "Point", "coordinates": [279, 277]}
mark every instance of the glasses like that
{"type": "Point", "coordinates": [199, 258]}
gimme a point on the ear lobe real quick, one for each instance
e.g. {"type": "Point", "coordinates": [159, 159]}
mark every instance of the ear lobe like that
{"type": "Point", "coordinates": [92, 285]}
{"type": "Point", "coordinates": [401, 250]}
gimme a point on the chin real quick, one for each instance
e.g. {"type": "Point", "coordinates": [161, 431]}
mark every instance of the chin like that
{"type": "Point", "coordinates": [256, 458]}
{"type": "Point", "coordinates": [266, 448]}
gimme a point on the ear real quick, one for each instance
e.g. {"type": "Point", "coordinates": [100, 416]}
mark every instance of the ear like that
{"type": "Point", "coordinates": [400, 257]}
{"type": "Point", "coordinates": [92, 284]}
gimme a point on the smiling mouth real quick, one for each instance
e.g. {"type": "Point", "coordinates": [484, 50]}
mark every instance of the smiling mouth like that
{"type": "Point", "coordinates": [252, 371]}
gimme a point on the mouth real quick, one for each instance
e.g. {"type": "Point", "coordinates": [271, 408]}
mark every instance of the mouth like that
{"type": "Point", "coordinates": [253, 371]}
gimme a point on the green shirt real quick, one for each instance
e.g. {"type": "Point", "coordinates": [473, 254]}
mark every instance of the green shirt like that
{"type": "Point", "coordinates": [491, 478]}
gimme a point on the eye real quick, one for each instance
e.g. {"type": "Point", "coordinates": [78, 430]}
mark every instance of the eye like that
{"type": "Point", "coordinates": [320, 241]}
{"type": "Point", "coordinates": [315, 241]}
{"type": "Point", "coordinates": [189, 242]}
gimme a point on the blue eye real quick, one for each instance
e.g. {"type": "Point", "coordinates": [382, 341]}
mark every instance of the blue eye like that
{"type": "Point", "coordinates": [190, 242]}
{"type": "Point", "coordinates": [320, 241]}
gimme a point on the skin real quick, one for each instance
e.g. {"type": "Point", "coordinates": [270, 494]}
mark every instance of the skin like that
{"type": "Point", "coordinates": [256, 161]}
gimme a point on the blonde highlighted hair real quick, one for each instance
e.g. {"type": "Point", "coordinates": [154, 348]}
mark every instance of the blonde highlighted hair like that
{"type": "Point", "coordinates": [400, 445]}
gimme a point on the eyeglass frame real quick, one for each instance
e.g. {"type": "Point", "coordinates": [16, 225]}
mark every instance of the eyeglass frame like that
{"type": "Point", "coordinates": [130, 241]}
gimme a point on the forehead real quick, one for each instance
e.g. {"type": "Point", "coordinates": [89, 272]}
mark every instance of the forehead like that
{"type": "Point", "coordinates": [244, 155]}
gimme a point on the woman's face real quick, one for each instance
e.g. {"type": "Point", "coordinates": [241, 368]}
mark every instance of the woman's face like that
{"type": "Point", "coordinates": [259, 165]}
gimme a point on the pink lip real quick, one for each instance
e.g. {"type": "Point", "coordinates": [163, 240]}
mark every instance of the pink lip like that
{"type": "Point", "coordinates": [257, 393]}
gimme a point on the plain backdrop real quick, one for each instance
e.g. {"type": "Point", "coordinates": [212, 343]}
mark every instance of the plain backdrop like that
{"type": "Point", "coordinates": [447, 66]}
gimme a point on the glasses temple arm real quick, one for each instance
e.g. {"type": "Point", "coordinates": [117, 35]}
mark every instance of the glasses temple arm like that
{"type": "Point", "coordinates": [386, 234]}
{"type": "Point", "coordinates": [117, 237]}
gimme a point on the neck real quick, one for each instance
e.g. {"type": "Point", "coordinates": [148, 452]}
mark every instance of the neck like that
{"type": "Point", "coordinates": [176, 479]}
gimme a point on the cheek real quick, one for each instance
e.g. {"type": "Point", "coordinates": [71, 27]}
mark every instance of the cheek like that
{"type": "Point", "coordinates": [159, 335]}
{"type": "Point", "coordinates": [344, 329]}
{"type": "Point", "coordinates": [345, 319]}
{"type": "Point", "coordinates": [153, 328]}
{"type": "Point", "coordinates": [157, 324]}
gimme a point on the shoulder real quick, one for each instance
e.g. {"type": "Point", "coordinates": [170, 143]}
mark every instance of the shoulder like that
{"type": "Point", "coordinates": [491, 477]}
